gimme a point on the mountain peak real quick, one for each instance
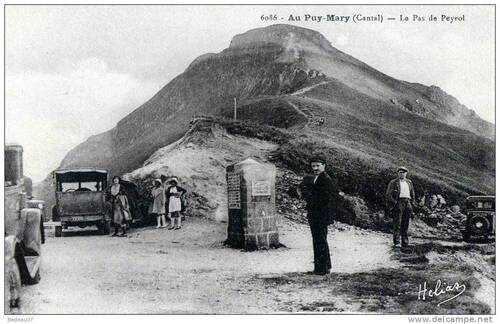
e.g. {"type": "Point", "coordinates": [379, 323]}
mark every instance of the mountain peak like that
{"type": "Point", "coordinates": [287, 36]}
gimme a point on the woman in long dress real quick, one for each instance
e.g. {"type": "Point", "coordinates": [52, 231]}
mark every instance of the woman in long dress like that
{"type": "Point", "coordinates": [121, 213]}
{"type": "Point", "coordinates": [112, 193]}
{"type": "Point", "coordinates": [174, 195]}
{"type": "Point", "coordinates": [158, 193]}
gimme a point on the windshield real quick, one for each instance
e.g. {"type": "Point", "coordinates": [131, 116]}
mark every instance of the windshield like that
{"type": "Point", "coordinates": [485, 204]}
{"type": "Point", "coordinates": [481, 204]}
{"type": "Point", "coordinates": [81, 186]}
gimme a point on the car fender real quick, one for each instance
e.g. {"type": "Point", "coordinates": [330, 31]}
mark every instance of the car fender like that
{"type": "Point", "coordinates": [12, 277]}
{"type": "Point", "coordinates": [31, 235]}
{"type": "Point", "coordinates": [10, 247]}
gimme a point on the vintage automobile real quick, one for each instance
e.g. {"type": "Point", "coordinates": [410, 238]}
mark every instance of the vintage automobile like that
{"type": "Point", "coordinates": [80, 199]}
{"type": "Point", "coordinates": [480, 222]}
{"type": "Point", "coordinates": [23, 228]}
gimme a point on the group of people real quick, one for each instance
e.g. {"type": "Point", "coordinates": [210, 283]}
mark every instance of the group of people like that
{"type": "Point", "coordinates": [321, 193]}
{"type": "Point", "coordinates": [167, 196]}
{"type": "Point", "coordinates": [319, 190]}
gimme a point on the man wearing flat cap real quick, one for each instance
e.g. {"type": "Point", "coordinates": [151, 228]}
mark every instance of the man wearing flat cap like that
{"type": "Point", "coordinates": [319, 191]}
{"type": "Point", "coordinates": [400, 197]}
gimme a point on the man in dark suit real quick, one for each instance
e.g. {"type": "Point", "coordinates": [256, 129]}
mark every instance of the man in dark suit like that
{"type": "Point", "coordinates": [400, 197]}
{"type": "Point", "coordinates": [319, 191]}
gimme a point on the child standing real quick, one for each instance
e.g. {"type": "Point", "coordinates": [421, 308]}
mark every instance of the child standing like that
{"type": "Point", "coordinates": [174, 194]}
{"type": "Point", "coordinates": [165, 185]}
{"type": "Point", "coordinates": [158, 194]}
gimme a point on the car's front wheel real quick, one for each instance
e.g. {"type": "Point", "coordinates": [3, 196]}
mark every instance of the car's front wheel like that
{"type": "Point", "coordinates": [58, 231]}
{"type": "Point", "coordinates": [105, 227]}
{"type": "Point", "coordinates": [466, 236]}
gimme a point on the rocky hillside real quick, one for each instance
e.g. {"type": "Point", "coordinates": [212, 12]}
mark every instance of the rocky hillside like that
{"type": "Point", "coordinates": [293, 78]}
{"type": "Point", "coordinates": [199, 159]}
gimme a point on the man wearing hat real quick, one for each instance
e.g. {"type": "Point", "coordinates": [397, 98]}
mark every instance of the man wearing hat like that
{"type": "Point", "coordinates": [400, 197]}
{"type": "Point", "coordinates": [319, 191]}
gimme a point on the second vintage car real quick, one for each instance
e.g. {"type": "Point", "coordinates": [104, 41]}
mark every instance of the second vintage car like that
{"type": "Point", "coordinates": [80, 199]}
{"type": "Point", "coordinates": [480, 222]}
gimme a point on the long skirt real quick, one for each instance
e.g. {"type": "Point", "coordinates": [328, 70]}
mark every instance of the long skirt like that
{"type": "Point", "coordinates": [118, 216]}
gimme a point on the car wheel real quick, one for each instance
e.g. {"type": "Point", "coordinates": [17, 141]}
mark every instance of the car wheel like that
{"type": "Point", "coordinates": [106, 227]}
{"type": "Point", "coordinates": [58, 231]}
{"type": "Point", "coordinates": [466, 236]}
{"type": "Point", "coordinates": [479, 226]}
{"type": "Point", "coordinates": [55, 216]}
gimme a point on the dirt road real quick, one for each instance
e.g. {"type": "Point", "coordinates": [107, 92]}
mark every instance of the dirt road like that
{"type": "Point", "coordinates": [191, 271]}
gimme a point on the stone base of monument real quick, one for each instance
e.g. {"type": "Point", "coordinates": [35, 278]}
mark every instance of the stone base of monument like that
{"type": "Point", "coordinates": [251, 206]}
{"type": "Point", "coordinates": [255, 233]}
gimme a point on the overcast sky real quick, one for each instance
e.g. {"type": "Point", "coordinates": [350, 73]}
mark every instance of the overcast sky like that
{"type": "Point", "coordinates": [75, 71]}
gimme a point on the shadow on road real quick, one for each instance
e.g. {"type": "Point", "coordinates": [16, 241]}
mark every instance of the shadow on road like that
{"type": "Point", "coordinates": [81, 232]}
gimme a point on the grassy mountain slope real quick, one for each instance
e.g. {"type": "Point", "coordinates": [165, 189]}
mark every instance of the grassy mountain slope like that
{"type": "Point", "coordinates": [288, 77]}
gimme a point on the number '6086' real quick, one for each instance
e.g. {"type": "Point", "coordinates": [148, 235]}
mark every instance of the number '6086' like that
{"type": "Point", "coordinates": [269, 17]}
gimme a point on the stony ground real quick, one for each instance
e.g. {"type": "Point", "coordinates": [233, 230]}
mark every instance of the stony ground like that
{"type": "Point", "coordinates": [191, 271]}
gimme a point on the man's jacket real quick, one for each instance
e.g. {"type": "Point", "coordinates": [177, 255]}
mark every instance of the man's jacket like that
{"type": "Point", "coordinates": [394, 189]}
{"type": "Point", "coordinates": [320, 197]}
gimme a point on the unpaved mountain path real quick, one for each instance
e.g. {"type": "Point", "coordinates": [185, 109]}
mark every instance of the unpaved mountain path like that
{"type": "Point", "coordinates": [191, 271]}
{"type": "Point", "coordinates": [298, 109]}
{"type": "Point", "coordinates": [310, 114]}
{"type": "Point", "coordinates": [306, 89]}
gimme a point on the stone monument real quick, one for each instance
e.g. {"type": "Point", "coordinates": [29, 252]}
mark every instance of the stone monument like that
{"type": "Point", "coordinates": [251, 206]}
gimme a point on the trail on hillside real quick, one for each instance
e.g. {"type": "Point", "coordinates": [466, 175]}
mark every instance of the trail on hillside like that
{"type": "Point", "coordinates": [313, 119]}
{"type": "Point", "coordinates": [309, 88]}
{"type": "Point", "coordinates": [298, 109]}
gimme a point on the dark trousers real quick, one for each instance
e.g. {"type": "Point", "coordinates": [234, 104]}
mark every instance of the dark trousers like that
{"type": "Point", "coordinates": [402, 213]}
{"type": "Point", "coordinates": [322, 262]}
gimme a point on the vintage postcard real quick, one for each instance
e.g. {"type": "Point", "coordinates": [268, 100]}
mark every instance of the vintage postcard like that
{"type": "Point", "coordinates": [250, 159]}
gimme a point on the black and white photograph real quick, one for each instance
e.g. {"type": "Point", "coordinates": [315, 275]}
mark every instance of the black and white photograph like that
{"type": "Point", "coordinates": [224, 159]}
